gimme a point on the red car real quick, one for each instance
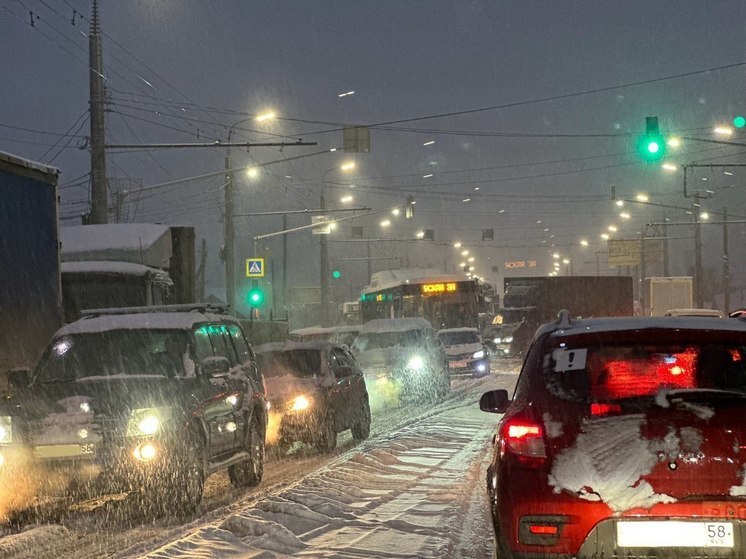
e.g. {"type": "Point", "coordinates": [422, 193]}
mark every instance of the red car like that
{"type": "Point", "coordinates": [625, 437]}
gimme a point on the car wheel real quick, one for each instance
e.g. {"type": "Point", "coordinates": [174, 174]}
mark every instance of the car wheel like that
{"type": "Point", "coordinates": [327, 439]}
{"type": "Point", "coordinates": [361, 429]}
{"type": "Point", "coordinates": [250, 472]}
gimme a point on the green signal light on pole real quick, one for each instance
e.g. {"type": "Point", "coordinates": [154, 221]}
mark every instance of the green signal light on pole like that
{"type": "Point", "coordinates": [739, 121]}
{"type": "Point", "coordinates": [336, 274]}
{"type": "Point", "coordinates": [652, 144]}
{"type": "Point", "coordinates": [256, 297]}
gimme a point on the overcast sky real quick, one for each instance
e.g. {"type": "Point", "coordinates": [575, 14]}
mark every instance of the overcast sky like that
{"type": "Point", "coordinates": [186, 70]}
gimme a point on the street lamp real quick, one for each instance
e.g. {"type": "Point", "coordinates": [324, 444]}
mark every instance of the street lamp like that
{"type": "Point", "coordinates": [228, 237]}
{"type": "Point", "coordinates": [324, 246]}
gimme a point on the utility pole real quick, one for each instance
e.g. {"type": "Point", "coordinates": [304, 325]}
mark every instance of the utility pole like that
{"type": "Point", "coordinates": [228, 253]}
{"type": "Point", "coordinates": [698, 279]}
{"type": "Point", "coordinates": [726, 263]}
{"type": "Point", "coordinates": [284, 263]}
{"type": "Point", "coordinates": [99, 203]}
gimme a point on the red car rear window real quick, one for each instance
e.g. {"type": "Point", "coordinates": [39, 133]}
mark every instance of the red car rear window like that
{"type": "Point", "coordinates": [633, 364]}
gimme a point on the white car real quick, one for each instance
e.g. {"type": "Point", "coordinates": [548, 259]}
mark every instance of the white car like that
{"type": "Point", "coordinates": [465, 350]}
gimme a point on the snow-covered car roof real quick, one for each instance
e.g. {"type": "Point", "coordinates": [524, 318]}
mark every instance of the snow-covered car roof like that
{"type": "Point", "coordinates": [463, 329]}
{"type": "Point", "coordinates": [118, 268]}
{"type": "Point", "coordinates": [316, 345]}
{"type": "Point", "coordinates": [613, 324]}
{"type": "Point", "coordinates": [348, 328]}
{"type": "Point", "coordinates": [312, 331]}
{"type": "Point", "coordinates": [155, 320]}
{"type": "Point", "coordinates": [378, 325]}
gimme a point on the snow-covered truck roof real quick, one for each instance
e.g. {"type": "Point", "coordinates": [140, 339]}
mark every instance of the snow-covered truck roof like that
{"type": "Point", "coordinates": [36, 170]}
{"type": "Point", "coordinates": [115, 268]}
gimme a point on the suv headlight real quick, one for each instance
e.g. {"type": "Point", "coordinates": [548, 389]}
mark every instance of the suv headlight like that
{"type": "Point", "coordinates": [478, 355]}
{"type": "Point", "coordinates": [301, 403]}
{"type": "Point", "coordinates": [416, 363]}
{"type": "Point", "coordinates": [144, 422]}
{"type": "Point", "coordinates": [508, 340]}
{"type": "Point", "coordinates": [6, 430]}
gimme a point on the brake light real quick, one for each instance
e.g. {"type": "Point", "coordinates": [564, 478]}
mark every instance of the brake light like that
{"type": "Point", "coordinates": [604, 409]}
{"type": "Point", "coordinates": [542, 530]}
{"type": "Point", "coordinates": [524, 440]}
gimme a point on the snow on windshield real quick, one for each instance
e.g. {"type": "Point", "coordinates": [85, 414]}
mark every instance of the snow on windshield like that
{"type": "Point", "coordinates": [457, 337]}
{"type": "Point", "coordinates": [381, 340]}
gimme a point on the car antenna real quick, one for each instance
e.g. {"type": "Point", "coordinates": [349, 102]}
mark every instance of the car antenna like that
{"type": "Point", "coordinates": [563, 319]}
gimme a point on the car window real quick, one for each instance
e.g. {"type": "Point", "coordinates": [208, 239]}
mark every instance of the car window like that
{"type": "Point", "coordinates": [341, 362]}
{"type": "Point", "coordinates": [202, 345]}
{"type": "Point", "coordinates": [221, 343]}
{"type": "Point", "coordinates": [240, 344]}
{"type": "Point", "coordinates": [297, 362]}
{"type": "Point", "coordinates": [627, 369]}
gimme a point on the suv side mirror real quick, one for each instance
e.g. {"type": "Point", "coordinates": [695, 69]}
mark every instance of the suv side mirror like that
{"type": "Point", "coordinates": [494, 401]}
{"type": "Point", "coordinates": [19, 378]}
{"type": "Point", "coordinates": [215, 367]}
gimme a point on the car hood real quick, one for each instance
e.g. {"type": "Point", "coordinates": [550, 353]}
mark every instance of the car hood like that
{"type": "Point", "coordinates": [461, 349]}
{"type": "Point", "coordinates": [108, 397]}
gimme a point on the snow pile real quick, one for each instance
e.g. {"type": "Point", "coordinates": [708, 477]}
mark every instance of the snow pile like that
{"type": "Point", "coordinates": [388, 498]}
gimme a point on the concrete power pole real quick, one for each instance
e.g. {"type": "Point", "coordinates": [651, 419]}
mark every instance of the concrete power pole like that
{"type": "Point", "coordinates": [99, 203]}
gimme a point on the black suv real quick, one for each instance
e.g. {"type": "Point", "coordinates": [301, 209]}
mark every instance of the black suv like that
{"type": "Point", "coordinates": [316, 390]}
{"type": "Point", "coordinates": [151, 399]}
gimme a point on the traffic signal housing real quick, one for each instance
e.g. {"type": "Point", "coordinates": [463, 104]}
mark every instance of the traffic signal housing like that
{"type": "Point", "coordinates": [652, 145]}
{"type": "Point", "coordinates": [256, 295]}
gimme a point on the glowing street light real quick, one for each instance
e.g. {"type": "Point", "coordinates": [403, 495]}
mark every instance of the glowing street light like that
{"type": "Point", "coordinates": [624, 215]}
{"type": "Point", "coordinates": [704, 216]}
{"type": "Point", "coordinates": [396, 211]}
{"type": "Point", "coordinates": [556, 256]}
{"type": "Point", "coordinates": [612, 228]}
{"type": "Point", "coordinates": [620, 203]}
{"type": "Point", "coordinates": [346, 199]}
{"type": "Point", "coordinates": [347, 166]}
{"type": "Point", "coordinates": [642, 198]}
{"type": "Point", "coordinates": [669, 167]}
{"type": "Point", "coordinates": [457, 244]}
{"type": "Point", "coordinates": [252, 172]}
{"type": "Point", "coordinates": [470, 259]}
{"type": "Point", "coordinates": [385, 223]}
{"type": "Point", "coordinates": [464, 253]}
{"type": "Point", "coordinates": [584, 243]}
{"type": "Point", "coordinates": [723, 131]}
{"type": "Point", "coordinates": [265, 116]}
{"type": "Point", "coordinates": [673, 142]}
{"type": "Point", "coordinates": [604, 236]}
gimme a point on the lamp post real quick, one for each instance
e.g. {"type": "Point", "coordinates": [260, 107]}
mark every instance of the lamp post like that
{"type": "Point", "coordinates": [228, 233]}
{"type": "Point", "coordinates": [324, 246]}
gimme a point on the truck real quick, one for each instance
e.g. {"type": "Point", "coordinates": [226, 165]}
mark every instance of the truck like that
{"type": "Point", "coordinates": [126, 265]}
{"type": "Point", "coordinates": [665, 293]}
{"type": "Point", "coordinates": [529, 302]}
{"type": "Point", "coordinates": [30, 300]}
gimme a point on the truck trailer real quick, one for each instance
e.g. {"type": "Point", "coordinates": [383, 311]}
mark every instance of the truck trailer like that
{"type": "Point", "coordinates": [30, 300]}
{"type": "Point", "coordinates": [665, 293]}
{"type": "Point", "coordinates": [529, 302]}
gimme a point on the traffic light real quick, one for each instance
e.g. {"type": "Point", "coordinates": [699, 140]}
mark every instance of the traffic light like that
{"type": "Point", "coordinates": [409, 212]}
{"type": "Point", "coordinates": [652, 144]}
{"type": "Point", "coordinates": [256, 295]}
{"type": "Point", "coordinates": [739, 121]}
{"type": "Point", "coordinates": [336, 274]}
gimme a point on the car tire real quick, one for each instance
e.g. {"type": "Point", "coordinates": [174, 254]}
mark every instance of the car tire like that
{"type": "Point", "coordinates": [250, 472]}
{"type": "Point", "coordinates": [361, 429]}
{"type": "Point", "coordinates": [327, 438]}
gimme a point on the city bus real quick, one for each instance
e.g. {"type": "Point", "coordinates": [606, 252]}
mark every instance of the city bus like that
{"type": "Point", "coordinates": [445, 300]}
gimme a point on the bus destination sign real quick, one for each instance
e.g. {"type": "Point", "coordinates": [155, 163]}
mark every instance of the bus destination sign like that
{"type": "Point", "coordinates": [431, 288]}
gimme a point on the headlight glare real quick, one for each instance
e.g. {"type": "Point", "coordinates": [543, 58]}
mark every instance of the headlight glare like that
{"type": "Point", "coordinates": [6, 430]}
{"type": "Point", "coordinates": [478, 355]}
{"type": "Point", "coordinates": [416, 363]}
{"type": "Point", "coordinates": [508, 340]}
{"type": "Point", "coordinates": [144, 422]}
{"type": "Point", "coordinates": [498, 340]}
{"type": "Point", "coordinates": [301, 403]}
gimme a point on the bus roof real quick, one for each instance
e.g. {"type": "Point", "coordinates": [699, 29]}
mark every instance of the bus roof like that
{"type": "Point", "coordinates": [393, 278]}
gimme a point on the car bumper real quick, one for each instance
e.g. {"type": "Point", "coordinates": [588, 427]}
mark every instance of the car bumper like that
{"type": "Point", "coordinates": [591, 530]}
{"type": "Point", "coordinates": [97, 466]}
{"type": "Point", "coordinates": [475, 367]}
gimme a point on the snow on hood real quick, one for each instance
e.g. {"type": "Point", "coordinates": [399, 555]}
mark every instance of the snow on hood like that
{"type": "Point", "coordinates": [383, 356]}
{"type": "Point", "coordinates": [596, 470]}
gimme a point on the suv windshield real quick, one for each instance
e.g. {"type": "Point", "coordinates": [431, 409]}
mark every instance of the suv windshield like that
{"type": "Point", "coordinates": [296, 362]}
{"type": "Point", "coordinates": [459, 338]}
{"type": "Point", "coordinates": [642, 368]}
{"type": "Point", "coordinates": [114, 352]}
{"type": "Point", "coordinates": [380, 340]}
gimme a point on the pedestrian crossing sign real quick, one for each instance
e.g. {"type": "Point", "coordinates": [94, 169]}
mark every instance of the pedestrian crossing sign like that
{"type": "Point", "coordinates": [255, 267]}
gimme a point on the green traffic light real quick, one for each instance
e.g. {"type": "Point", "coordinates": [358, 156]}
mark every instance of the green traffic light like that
{"type": "Point", "coordinates": [652, 147]}
{"type": "Point", "coordinates": [336, 274]}
{"type": "Point", "coordinates": [256, 297]}
{"type": "Point", "coordinates": [739, 121]}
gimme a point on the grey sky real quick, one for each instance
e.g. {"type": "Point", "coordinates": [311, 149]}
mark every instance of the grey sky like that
{"type": "Point", "coordinates": [403, 60]}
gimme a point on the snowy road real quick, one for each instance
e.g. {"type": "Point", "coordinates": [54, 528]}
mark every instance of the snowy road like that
{"type": "Point", "coordinates": [414, 489]}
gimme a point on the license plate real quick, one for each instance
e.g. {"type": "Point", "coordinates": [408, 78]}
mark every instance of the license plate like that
{"type": "Point", "coordinates": [65, 451]}
{"type": "Point", "coordinates": [458, 364]}
{"type": "Point", "coordinates": [672, 533]}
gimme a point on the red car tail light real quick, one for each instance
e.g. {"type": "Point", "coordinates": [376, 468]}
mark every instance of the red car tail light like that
{"type": "Point", "coordinates": [524, 440]}
{"type": "Point", "coordinates": [541, 529]}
